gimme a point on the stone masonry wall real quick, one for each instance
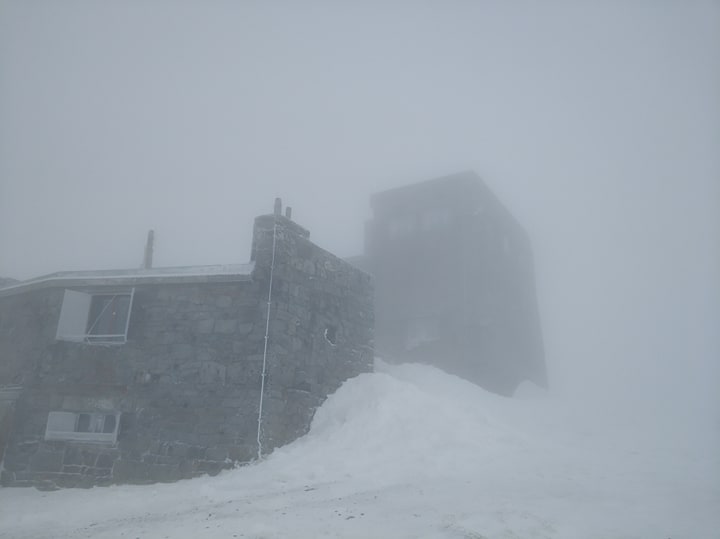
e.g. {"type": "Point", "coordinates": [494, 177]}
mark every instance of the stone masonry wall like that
{"type": "Point", "coordinates": [321, 326]}
{"type": "Point", "coordinates": [187, 382]}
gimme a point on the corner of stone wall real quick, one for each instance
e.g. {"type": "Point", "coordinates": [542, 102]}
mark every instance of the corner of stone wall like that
{"type": "Point", "coordinates": [264, 228]}
{"type": "Point", "coordinates": [320, 327]}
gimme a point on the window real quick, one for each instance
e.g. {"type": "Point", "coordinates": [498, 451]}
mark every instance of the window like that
{"type": "Point", "coordinates": [101, 318]}
{"type": "Point", "coordinates": [83, 426]}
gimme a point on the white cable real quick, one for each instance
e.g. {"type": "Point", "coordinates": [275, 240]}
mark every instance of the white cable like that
{"type": "Point", "coordinates": [267, 333]}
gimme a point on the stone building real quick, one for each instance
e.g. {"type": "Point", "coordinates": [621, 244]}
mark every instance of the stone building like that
{"type": "Point", "coordinates": [454, 282]}
{"type": "Point", "coordinates": [160, 374]}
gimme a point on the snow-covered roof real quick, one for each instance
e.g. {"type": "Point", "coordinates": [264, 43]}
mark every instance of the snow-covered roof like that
{"type": "Point", "coordinates": [179, 274]}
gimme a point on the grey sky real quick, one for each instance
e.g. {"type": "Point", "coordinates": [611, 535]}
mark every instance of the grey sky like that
{"type": "Point", "coordinates": [597, 123]}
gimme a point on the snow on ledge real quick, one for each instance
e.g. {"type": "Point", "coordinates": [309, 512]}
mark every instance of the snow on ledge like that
{"type": "Point", "coordinates": [136, 276]}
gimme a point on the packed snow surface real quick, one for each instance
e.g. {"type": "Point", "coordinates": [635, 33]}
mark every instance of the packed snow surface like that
{"type": "Point", "coordinates": [409, 451]}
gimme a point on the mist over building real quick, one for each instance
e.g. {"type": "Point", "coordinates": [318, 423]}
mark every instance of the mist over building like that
{"type": "Point", "coordinates": [454, 282]}
{"type": "Point", "coordinates": [166, 373]}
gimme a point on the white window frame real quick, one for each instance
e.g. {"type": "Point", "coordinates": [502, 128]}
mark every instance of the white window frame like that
{"type": "Point", "coordinates": [74, 324]}
{"type": "Point", "coordinates": [63, 425]}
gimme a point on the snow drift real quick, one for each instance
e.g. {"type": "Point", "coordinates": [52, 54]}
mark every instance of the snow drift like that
{"type": "Point", "coordinates": [409, 451]}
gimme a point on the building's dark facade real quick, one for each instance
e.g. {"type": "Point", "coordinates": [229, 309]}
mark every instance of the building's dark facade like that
{"type": "Point", "coordinates": [156, 374]}
{"type": "Point", "coordinates": [454, 282]}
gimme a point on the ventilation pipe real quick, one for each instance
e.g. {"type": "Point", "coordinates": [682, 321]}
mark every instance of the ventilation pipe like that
{"type": "Point", "coordinates": [149, 245]}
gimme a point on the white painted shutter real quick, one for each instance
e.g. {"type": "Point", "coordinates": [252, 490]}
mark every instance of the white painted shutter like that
{"type": "Point", "coordinates": [59, 425]}
{"type": "Point", "coordinates": [72, 325]}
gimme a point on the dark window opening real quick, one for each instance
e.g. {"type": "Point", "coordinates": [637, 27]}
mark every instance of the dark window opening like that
{"type": "Point", "coordinates": [82, 426]}
{"type": "Point", "coordinates": [108, 314]}
{"type": "Point", "coordinates": [96, 423]}
{"type": "Point", "coordinates": [83, 423]}
{"type": "Point", "coordinates": [109, 425]}
{"type": "Point", "coordinates": [95, 318]}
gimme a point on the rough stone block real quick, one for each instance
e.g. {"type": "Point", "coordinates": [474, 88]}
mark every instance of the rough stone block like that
{"type": "Point", "coordinates": [223, 302]}
{"type": "Point", "coordinates": [210, 467]}
{"type": "Point", "coordinates": [233, 403]}
{"type": "Point", "coordinates": [212, 372]}
{"type": "Point", "coordinates": [245, 329]}
{"type": "Point", "coordinates": [105, 461]}
{"type": "Point", "coordinates": [46, 461]}
{"type": "Point", "coordinates": [15, 462]}
{"type": "Point", "coordinates": [216, 453]}
{"type": "Point", "coordinates": [225, 326]}
{"type": "Point", "coordinates": [205, 326]}
{"type": "Point", "coordinates": [179, 353]}
{"type": "Point", "coordinates": [6, 478]}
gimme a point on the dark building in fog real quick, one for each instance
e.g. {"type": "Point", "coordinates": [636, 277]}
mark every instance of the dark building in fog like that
{"type": "Point", "coordinates": [454, 282]}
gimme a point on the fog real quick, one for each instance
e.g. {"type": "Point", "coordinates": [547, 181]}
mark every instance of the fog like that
{"type": "Point", "coordinates": [597, 124]}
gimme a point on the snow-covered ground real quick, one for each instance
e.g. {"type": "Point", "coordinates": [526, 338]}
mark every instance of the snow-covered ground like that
{"type": "Point", "coordinates": [412, 452]}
